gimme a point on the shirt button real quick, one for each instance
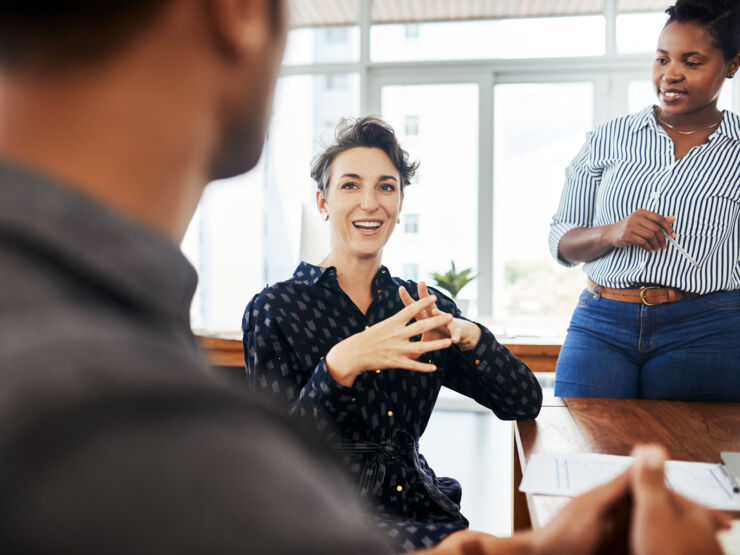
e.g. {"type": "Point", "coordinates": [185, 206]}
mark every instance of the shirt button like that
{"type": "Point", "coordinates": [399, 488]}
{"type": "Point", "coordinates": [380, 292]}
{"type": "Point", "coordinates": [383, 272]}
{"type": "Point", "coordinates": [390, 413]}
{"type": "Point", "coordinates": [477, 362]}
{"type": "Point", "coordinates": [377, 371]}
{"type": "Point", "coordinates": [354, 399]}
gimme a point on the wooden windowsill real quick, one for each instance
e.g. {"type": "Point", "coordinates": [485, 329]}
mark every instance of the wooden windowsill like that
{"type": "Point", "coordinates": [223, 351]}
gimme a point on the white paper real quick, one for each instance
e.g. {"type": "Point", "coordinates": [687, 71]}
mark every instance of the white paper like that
{"type": "Point", "coordinates": [573, 474]}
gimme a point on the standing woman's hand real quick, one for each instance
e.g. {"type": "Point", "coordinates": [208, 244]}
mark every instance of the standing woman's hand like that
{"type": "Point", "coordinates": [462, 333]}
{"type": "Point", "coordinates": [642, 228]}
{"type": "Point", "coordinates": [387, 344]}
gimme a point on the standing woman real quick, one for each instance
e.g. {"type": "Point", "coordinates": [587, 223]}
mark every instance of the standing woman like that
{"type": "Point", "coordinates": [332, 343]}
{"type": "Point", "coordinates": [651, 204]}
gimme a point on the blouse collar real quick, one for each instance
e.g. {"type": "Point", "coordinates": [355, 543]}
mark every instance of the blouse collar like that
{"type": "Point", "coordinates": [310, 275]}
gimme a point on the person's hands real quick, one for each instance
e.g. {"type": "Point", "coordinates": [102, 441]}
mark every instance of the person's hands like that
{"type": "Point", "coordinates": [387, 345]}
{"type": "Point", "coordinates": [643, 229]}
{"type": "Point", "coordinates": [461, 332]}
{"type": "Point", "coordinates": [663, 521]}
{"type": "Point", "coordinates": [595, 522]}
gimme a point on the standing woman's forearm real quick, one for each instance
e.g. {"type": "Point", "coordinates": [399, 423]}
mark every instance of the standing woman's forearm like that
{"type": "Point", "coordinates": [584, 244]}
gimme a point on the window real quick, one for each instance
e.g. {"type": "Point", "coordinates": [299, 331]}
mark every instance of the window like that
{"type": "Point", "coordinates": [487, 208]}
{"type": "Point", "coordinates": [539, 128]}
{"type": "Point", "coordinates": [336, 35]}
{"type": "Point", "coordinates": [542, 37]}
{"type": "Point", "coordinates": [411, 223]}
{"type": "Point", "coordinates": [411, 125]}
{"type": "Point", "coordinates": [337, 82]}
{"type": "Point", "coordinates": [410, 271]}
{"type": "Point", "coordinates": [254, 229]}
{"type": "Point", "coordinates": [447, 149]}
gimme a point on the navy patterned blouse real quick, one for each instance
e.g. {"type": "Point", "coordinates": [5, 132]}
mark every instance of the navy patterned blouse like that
{"type": "Point", "coordinates": [375, 425]}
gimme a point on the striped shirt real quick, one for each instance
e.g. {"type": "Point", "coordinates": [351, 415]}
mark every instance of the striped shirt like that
{"type": "Point", "coordinates": [627, 164]}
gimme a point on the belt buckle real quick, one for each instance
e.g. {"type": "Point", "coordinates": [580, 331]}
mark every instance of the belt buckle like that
{"type": "Point", "coordinates": [644, 289]}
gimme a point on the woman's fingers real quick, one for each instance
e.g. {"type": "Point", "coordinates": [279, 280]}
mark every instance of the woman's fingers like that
{"type": "Point", "coordinates": [415, 365]}
{"type": "Point", "coordinates": [421, 347]}
{"type": "Point", "coordinates": [427, 324]}
{"type": "Point", "coordinates": [406, 299]}
{"type": "Point", "coordinates": [410, 311]}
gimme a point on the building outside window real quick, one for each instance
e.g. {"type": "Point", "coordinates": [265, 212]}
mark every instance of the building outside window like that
{"type": "Point", "coordinates": [411, 223]}
{"type": "Point", "coordinates": [411, 126]}
{"type": "Point", "coordinates": [494, 146]}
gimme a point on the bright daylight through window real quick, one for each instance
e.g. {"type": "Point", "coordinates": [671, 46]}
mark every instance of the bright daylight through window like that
{"type": "Point", "coordinates": [494, 97]}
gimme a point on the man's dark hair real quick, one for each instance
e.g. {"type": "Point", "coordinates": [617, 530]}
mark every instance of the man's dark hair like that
{"type": "Point", "coordinates": [369, 132]}
{"type": "Point", "coordinates": [720, 18]}
{"type": "Point", "coordinates": [55, 33]}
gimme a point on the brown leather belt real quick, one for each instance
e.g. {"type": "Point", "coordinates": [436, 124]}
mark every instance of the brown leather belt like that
{"type": "Point", "coordinates": [649, 295]}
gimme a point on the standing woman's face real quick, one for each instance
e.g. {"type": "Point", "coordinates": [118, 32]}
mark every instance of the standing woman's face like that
{"type": "Point", "coordinates": [363, 201]}
{"type": "Point", "coordinates": [689, 69]}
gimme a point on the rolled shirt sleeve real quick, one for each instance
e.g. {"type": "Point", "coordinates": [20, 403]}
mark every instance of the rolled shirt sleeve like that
{"type": "Point", "coordinates": [578, 199]}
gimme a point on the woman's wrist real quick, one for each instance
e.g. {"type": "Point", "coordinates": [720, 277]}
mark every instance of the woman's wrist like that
{"type": "Point", "coordinates": [339, 367]}
{"type": "Point", "coordinates": [472, 336]}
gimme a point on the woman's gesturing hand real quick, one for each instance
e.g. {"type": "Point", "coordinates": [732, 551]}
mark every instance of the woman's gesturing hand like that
{"type": "Point", "coordinates": [641, 228]}
{"type": "Point", "coordinates": [387, 344]}
{"type": "Point", "coordinates": [461, 332]}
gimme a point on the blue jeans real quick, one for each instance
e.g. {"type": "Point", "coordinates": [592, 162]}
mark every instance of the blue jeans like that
{"type": "Point", "coordinates": [687, 350]}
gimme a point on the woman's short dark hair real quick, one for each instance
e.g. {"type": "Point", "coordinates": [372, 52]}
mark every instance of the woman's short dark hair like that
{"type": "Point", "coordinates": [369, 132]}
{"type": "Point", "coordinates": [721, 19]}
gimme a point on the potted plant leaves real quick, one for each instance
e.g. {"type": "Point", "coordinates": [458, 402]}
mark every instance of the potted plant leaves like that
{"type": "Point", "coordinates": [453, 281]}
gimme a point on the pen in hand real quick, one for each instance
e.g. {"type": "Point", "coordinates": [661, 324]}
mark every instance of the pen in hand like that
{"type": "Point", "coordinates": [682, 251]}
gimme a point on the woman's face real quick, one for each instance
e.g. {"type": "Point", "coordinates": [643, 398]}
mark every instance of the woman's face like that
{"type": "Point", "coordinates": [689, 69]}
{"type": "Point", "coordinates": [363, 201]}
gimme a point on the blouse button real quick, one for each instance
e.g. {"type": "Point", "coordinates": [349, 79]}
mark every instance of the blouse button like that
{"type": "Point", "coordinates": [380, 292]}
{"type": "Point", "coordinates": [322, 358]}
{"type": "Point", "coordinates": [383, 271]}
{"type": "Point", "coordinates": [390, 413]}
{"type": "Point", "coordinates": [477, 362]}
{"type": "Point", "coordinates": [377, 371]}
{"type": "Point", "coordinates": [399, 488]}
{"type": "Point", "coordinates": [354, 399]}
{"type": "Point", "coordinates": [367, 327]}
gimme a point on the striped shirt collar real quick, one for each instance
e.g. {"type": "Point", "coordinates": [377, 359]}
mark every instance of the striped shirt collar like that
{"type": "Point", "coordinates": [729, 127]}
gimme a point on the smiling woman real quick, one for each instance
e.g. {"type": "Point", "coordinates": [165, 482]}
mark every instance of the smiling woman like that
{"type": "Point", "coordinates": [333, 345]}
{"type": "Point", "coordinates": [651, 205]}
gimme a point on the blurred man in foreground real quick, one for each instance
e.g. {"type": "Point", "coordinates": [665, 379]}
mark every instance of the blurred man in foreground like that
{"type": "Point", "coordinates": [114, 436]}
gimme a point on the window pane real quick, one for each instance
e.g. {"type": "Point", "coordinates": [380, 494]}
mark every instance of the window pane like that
{"type": "Point", "coordinates": [503, 38]}
{"type": "Point", "coordinates": [638, 33]}
{"type": "Point", "coordinates": [317, 45]}
{"type": "Point", "coordinates": [445, 200]}
{"type": "Point", "coordinates": [307, 110]}
{"type": "Point", "coordinates": [538, 128]}
{"type": "Point", "coordinates": [254, 229]}
{"type": "Point", "coordinates": [225, 244]}
{"type": "Point", "coordinates": [641, 93]}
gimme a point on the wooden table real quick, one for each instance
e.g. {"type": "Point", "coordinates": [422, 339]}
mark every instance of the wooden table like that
{"type": "Point", "coordinates": [689, 431]}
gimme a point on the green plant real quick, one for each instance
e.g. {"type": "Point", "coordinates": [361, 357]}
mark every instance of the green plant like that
{"type": "Point", "coordinates": [453, 281]}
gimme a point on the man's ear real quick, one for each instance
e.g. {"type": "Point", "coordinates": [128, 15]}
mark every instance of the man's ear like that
{"type": "Point", "coordinates": [240, 28]}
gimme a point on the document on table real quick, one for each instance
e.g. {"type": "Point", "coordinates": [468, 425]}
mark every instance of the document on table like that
{"type": "Point", "coordinates": [569, 475]}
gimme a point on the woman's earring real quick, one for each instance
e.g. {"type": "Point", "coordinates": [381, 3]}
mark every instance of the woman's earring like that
{"type": "Point", "coordinates": [398, 221]}
{"type": "Point", "coordinates": [325, 216]}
